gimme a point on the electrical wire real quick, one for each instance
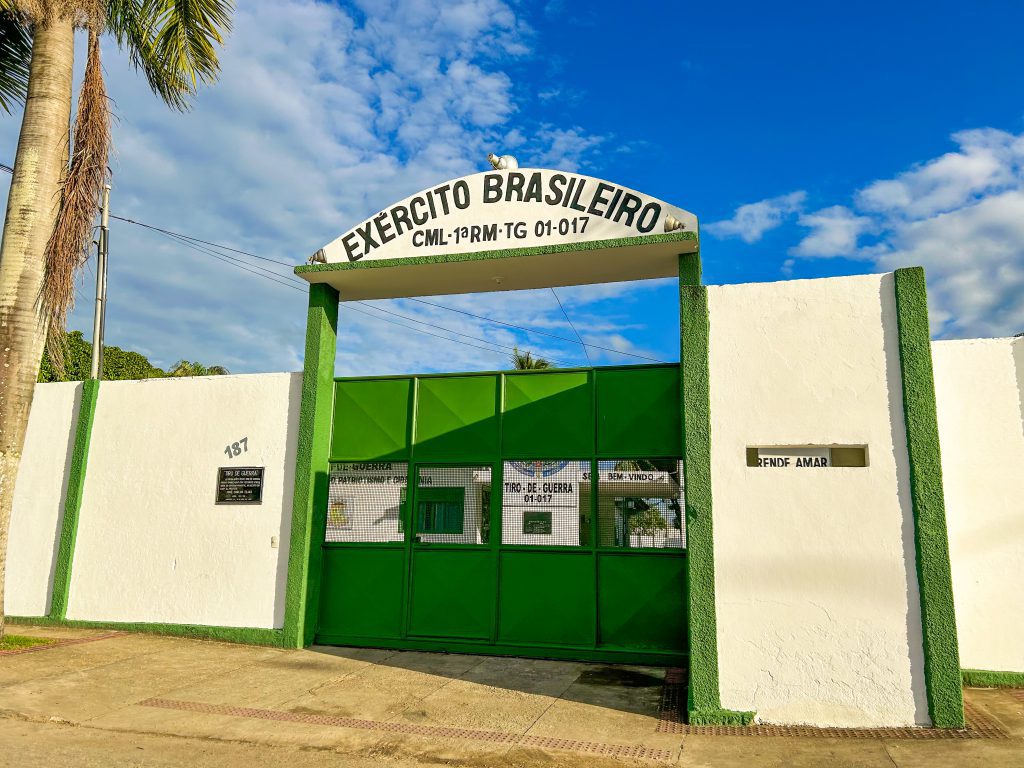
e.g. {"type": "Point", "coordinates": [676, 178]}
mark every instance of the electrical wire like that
{"type": "Point", "coordinates": [420, 330]}
{"type": "Point", "coordinates": [571, 325]}
{"type": "Point", "coordinates": [297, 283]}
{"type": "Point", "coordinates": [242, 266]}
{"type": "Point", "coordinates": [231, 261]}
{"type": "Point", "coordinates": [196, 239]}
{"type": "Point", "coordinates": [190, 242]}
{"type": "Point", "coordinates": [532, 330]}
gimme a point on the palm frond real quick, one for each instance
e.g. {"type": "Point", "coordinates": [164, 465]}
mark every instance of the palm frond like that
{"type": "Point", "coordinates": [15, 55]}
{"type": "Point", "coordinates": [68, 246]}
{"type": "Point", "coordinates": [525, 361]}
{"type": "Point", "coordinates": [173, 42]}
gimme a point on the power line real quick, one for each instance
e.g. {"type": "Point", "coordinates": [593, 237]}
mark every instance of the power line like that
{"type": "Point", "coordinates": [242, 266]}
{"type": "Point", "coordinates": [577, 340]}
{"type": "Point", "coordinates": [190, 242]}
{"type": "Point", "coordinates": [532, 330]}
{"type": "Point", "coordinates": [198, 240]}
{"type": "Point", "coordinates": [420, 330]}
{"type": "Point", "coordinates": [273, 276]}
{"type": "Point", "coordinates": [438, 327]}
{"type": "Point", "coordinates": [232, 262]}
{"type": "Point", "coordinates": [287, 278]}
{"type": "Point", "coordinates": [571, 325]}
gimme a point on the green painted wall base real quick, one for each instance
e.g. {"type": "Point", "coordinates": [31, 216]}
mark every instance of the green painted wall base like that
{"type": "Point", "coordinates": [981, 678]}
{"type": "Point", "coordinates": [247, 635]}
{"type": "Point", "coordinates": [719, 717]}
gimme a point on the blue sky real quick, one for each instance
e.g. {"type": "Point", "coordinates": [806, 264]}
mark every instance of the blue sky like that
{"type": "Point", "coordinates": [810, 139]}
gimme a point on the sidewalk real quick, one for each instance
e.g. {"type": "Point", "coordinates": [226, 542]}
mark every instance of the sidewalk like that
{"type": "Point", "coordinates": [129, 699]}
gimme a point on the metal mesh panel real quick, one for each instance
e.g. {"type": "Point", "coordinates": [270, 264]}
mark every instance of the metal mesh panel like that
{"type": "Point", "coordinates": [546, 503]}
{"type": "Point", "coordinates": [366, 500]}
{"type": "Point", "coordinates": [453, 505]}
{"type": "Point", "coordinates": [640, 504]}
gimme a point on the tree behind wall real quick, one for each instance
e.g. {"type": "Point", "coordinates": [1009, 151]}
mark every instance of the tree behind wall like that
{"type": "Point", "coordinates": [118, 364]}
{"type": "Point", "coordinates": [525, 361]}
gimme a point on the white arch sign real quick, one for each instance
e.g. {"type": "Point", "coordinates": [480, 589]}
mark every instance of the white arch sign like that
{"type": "Point", "coordinates": [503, 230]}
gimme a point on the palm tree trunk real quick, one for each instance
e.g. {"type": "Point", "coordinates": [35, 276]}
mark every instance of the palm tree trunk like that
{"type": "Point", "coordinates": [32, 206]}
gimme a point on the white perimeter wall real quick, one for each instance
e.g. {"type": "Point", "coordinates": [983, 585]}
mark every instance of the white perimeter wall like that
{"type": "Point", "coordinates": [816, 589]}
{"type": "Point", "coordinates": [979, 388]}
{"type": "Point", "coordinates": [152, 545]}
{"type": "Point", "coordinates": [39, 499]}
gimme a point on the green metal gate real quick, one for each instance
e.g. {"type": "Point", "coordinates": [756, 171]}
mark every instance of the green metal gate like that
{"type": "Point", "coordinates": [533, 513]}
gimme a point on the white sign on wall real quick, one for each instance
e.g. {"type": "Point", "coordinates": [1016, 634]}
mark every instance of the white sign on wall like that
{"type": "Point", "coordinates": [501, 210]}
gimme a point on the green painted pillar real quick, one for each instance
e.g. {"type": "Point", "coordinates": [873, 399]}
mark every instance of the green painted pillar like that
{"type": "Point", "coordinates": [703, 700]}
{"type": "Point", "coordinates": [73, 500]}
{"type": "Point", "coordinates": [309, 504]}
{"type": "Point", "coordinates": [935, 582]}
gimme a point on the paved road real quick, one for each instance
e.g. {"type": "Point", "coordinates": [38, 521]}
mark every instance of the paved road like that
{"type": "Point", "coordinates": [141, 700]}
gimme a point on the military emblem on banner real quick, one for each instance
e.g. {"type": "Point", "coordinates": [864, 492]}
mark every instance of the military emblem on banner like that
{"type": "Point", "coordinates": [539, 468]}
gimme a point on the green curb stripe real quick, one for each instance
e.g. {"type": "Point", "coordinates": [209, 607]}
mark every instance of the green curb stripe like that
{"type": "Point", "coordinates": [938, 618]}
{"type": "Point", "coordinates": [251, 636]}
{"type": "Point", "coordinates": [302, 591]}
{"type": "Point", "coordinates": [719, 717]}
{"type": "Point", "coordinates": [73, 499]}
{"type": "Point", "coordinates": [703, 698]}
{"type": "Point", "coordinates": [593, 245]}
{"type": "Point", "coordinates": [980, 678]}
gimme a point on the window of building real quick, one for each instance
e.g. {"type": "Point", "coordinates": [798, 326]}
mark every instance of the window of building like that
{"type": "Point", "coordinates": [440, 510]}
{"type": "Point", "coordinates": [453, 505]}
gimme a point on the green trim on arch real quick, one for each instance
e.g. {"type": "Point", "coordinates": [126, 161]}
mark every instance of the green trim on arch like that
{"type": "Point", "coordinates": [309, 503]}
{"type": "Point", "coordinates": [593, 245]}
{"type": "Point", "coordinates": [73, 499]}
{"type": "Point", "coordinates": [938, 618]}
{"type": "Point", "coordinates": [703, 698]}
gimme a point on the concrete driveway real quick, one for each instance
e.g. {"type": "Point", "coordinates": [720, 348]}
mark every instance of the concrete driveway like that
{"type": "Point", "coordinates": [101, 698]}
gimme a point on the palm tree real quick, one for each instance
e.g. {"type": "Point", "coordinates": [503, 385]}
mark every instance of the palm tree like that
{"type": "Point", "coordinates": [525, 361]}
{"type": "Point", "coordinates": [56, 182]}
{"type": "Point", "coordinates": [185, 368]}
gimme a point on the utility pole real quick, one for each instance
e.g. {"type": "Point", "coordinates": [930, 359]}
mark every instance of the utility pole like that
{"type": "Point", "coordinates": [100, 312]}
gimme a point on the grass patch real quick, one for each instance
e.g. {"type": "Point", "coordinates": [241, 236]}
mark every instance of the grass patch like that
{"type": "Point", "coordinates": [17, 642]}
{"type": "Point", "coordinates": [980, 678]}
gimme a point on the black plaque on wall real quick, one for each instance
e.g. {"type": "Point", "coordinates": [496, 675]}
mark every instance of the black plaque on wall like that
{"type": "Point", "coordinates": [240, 485]}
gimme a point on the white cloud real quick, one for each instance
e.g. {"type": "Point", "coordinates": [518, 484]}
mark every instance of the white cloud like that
{"type": "Point", "coordinates": [974, 260]}
{"type": "Point", "coordinates": [563, 148]}
{"type": "Point", "coordinates": [752, 220]}
{"type": "Point", "coordinates": [960, 216]}
{"type": "Point", "coordinates": [322, 115]}
{"type": "Point", "coordinates": [834, 232]}
{"type": "Point", "coordinates": [988, 160]}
